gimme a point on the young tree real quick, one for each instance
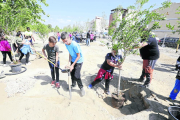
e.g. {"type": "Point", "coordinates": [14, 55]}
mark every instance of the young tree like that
{"type": "Point", "coordinates": [130, 29]}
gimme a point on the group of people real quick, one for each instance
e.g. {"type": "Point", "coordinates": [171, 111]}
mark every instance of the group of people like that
{"type": "Point", "coordinates": [17, 45]}
{"type": "Point", "coordinates": [149, 52]}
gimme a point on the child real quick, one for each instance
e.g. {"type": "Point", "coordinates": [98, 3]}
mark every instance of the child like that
{"type": "Point", "coordinates": [176, 88]}
{"type": "Point", "coordinates": [53, 55]}
{"type": "Point", "coordinates": [26, 49]}
{"type": "Point", "coordinates": [76, 60]}
{"type": "Point", "coordinates": [92, 37]}
{"type": "Point", "coordinates": [59, 36]}
{"type": "Point", "coordinates": [5, 48]}
{"type": "Point", "coordinates": [107, 68]}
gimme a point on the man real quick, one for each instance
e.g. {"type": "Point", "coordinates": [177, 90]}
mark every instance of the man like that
{"type": "Point", "coordinates": [88, 39]}
{"type": "Point", "coordinates": [29, 33]}
{"type": "Point", "coordinates": [75, 59]}
{"type": "Point", "coordinates": [149, 52]}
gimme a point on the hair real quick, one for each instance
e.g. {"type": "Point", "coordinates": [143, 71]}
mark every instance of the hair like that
{"type": "Point", "coordinates": [18, 34]}
{"type": "Point", "coordinates": [28, 28]}
{"type": "Point", "coordinates": [52, 39]}
{"type": "Point", "coordinates": [64, 35]}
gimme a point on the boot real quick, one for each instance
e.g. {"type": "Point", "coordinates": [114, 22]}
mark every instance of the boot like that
{"type": "Point", "coordinates": [142, 78]}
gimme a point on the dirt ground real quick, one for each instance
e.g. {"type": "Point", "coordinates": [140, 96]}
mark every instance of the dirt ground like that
{"type": "Point", "coordinates": [41, 101]}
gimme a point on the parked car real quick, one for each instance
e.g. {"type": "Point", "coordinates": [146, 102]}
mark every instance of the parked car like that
{"type": "Point", "coordinates": [169, 42]}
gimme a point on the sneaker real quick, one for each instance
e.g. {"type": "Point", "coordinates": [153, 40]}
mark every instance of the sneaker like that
{"type": "Point", "coordinates": [53, 82]}
{"type": "Point", "coordinates": [145, 86]}
{"type": "Point", "coordinates": [90, 86]}
{"type": "Point", "coordinates": [141, 80]}
{"type": "Point", "coordinates": [28, 63]}
{"type": "Point", "coordinates": [107, 92]}
{"type": "Point", "coordinates": [5, 65]}
{"type": "Point", "coordinates": [11, 63]}
{"type": "Point", "coordinates": [82, 92]}
{"type": "Point", "coordinates": [57, 85]}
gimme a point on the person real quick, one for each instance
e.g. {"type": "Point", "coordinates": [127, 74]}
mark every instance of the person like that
{"type": "Point", "coordinates": [75, 59]}
{"type": "Point", "coordinates": [78, 37]}
{"type": "Point", "coordinates": [5, 48]}
{"type": "Point", "coordinates": [91, 37]}
{"type": "Point", "coordinates": [18, 42]}
{"type": "Point", "coordinates": [176, 88]}
{"type": "Point", "coordinates": [177, 63]}
{"type": "Point", "coordinates": [149, 52]}
{"type": "Point", "coordinates": [95, 37]}
{"type": "Point", "coordinates": [26, 50]}
{"type": "Point", "coordinates": [73, 37]}
{"type": "Point", "coordinates": [29, 33]}
{"type": "Point", "coordinates": [59, 36]}
{"type": "Point", "coordinates": [53, 55]}
{"type": "Point", "coordinates": [107, 68]}
{"type": "Point", "coordinates": [88, 39]}
{"type": "Point", "coordinates": [70, 35]}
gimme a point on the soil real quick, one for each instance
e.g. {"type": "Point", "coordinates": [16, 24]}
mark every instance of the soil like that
{"type": "Point", "coordinates": [40, 101]}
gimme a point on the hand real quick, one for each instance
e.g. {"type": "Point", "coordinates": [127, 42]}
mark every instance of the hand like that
{"type": "Point", "coordinates": [71, 68]}
{"type": "Point", "coordinates": [45, 58]}
{"type": "Point", "coordinates": [56, 64]}
{"type": "Point", "coordinates": [120, 67]}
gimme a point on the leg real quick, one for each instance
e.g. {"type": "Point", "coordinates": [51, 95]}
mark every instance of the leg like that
{"type": "Point", "coordinates": [22, 55]}
{"type": "Point", "coordinates": [77, 74]}
{"type": "Point", "coordinates": [10, 57]}
{"type": "Point", "coordinates": [4, 56]}
{"type": "Point", "coordinates": [73, 78]}
{"type": "Point", "coordinates": [149, 67]}
{"type": "Point", "coordinates": [96, 82]}
{"type": "Point", "coordinates": [57, 72]}
{"type": "Point", "coordinates": [107, 82]}
{"type": "Point", "coordinates": [52, 71]}
{"type": "Point", "coordinates": [27, 57]}
{"type": "Point", "coordinates": [89, 42]}
{"type": "Point", "coordinates": [175, 90]}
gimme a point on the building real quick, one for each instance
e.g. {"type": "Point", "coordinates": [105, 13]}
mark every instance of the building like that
{"type": "Point", "coordinates": [98, 24]}
{"type": "Point", "coordinates": [117, 13]}
{"type": "Point", "coordinates": [171, 17]}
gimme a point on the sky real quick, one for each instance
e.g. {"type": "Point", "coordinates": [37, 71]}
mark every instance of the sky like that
{"type": "Point", "coordinates": [69, 12]}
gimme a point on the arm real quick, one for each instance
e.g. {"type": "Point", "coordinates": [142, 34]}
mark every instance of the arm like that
{"type": "Point", "coordinates": [33, 38]}
{"type": "Point", "coordinates": [140, 45]}
{"type": "Point", "coordinates": [57, 56]}
{"type": "Point", "coordinates": [43, 51]}
{"type": "Point", "coordinates": [112, 64]}
{"type": "Point", "coordinates": [72, 66]}
{"type": "Point", "coordinates": [69, 62]}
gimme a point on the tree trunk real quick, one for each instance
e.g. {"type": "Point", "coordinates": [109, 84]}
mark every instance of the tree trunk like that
{"type": "Point", "coordinates": [119, 83]}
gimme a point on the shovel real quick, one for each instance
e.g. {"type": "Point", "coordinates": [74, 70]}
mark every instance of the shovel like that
{"type": "Point", "coordinates": [62, 70]}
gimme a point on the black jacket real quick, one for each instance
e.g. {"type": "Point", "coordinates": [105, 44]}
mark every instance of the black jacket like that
{"type": "Point", "coordinates": [88, 35]}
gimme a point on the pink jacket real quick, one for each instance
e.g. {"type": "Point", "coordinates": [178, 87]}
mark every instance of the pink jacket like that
{"type": "Point", "coordinates": [92, 36]}
{"type": "Point", "coordinates": [4, 45]}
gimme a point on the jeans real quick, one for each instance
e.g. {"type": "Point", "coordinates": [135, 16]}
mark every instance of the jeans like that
{"type": "Point", "coordinates": [53, 71]}
{"type": "Point", "coordinates": [59, 38]}
{"type": "Point", "coordinates": [88, 42]}
{"type": "Point", "coordinates": [175, 90]}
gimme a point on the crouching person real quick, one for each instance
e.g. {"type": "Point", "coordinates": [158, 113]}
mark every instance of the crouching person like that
{"type": "Point", "coordinates": [107, 68]}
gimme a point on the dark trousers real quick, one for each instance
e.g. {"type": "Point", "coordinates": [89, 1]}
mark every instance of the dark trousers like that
{"type": "Point", "coordinates": [76, 75]}
{"type": "Point", "coordinates": [107, 82]}
{"type": "Point", "coordinates": [4, 56]}
{"type": "Point", "coordinates": [53, 70]}
{"type": "Point", "coordinates": [27, 56]}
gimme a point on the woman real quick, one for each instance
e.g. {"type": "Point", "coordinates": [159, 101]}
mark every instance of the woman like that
{"type": "Point", "coordinates": [5, 48]}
